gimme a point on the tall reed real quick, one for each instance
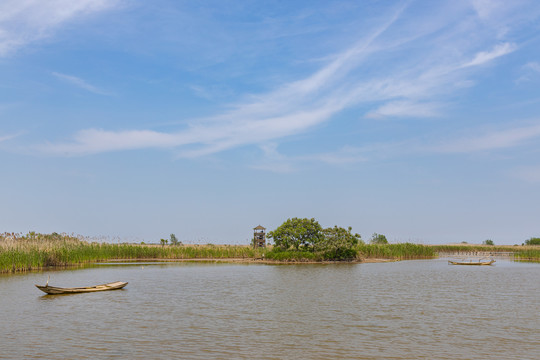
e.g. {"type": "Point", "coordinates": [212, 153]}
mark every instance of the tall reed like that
{"type": "Point", "coordinates": [32, 251]}
{"type": "Point", "coordinates": [528, 255]}
{"type": "Point", "coordinates": [396, 251]}
{"type": "Point", "coordinates": [20, 252]}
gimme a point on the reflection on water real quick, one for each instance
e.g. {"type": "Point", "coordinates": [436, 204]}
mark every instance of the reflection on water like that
{"type": "Point", "coordinates": [405, 310]}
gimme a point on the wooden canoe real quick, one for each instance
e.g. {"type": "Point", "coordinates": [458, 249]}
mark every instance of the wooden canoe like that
{"type": "Point", "coordinates": [471, 262]}
{"type": "Point", "coordinates": [53, 290]}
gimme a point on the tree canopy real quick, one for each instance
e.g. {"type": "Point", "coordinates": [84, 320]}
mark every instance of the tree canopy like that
{"type": "Point", "coordinates": [378, 239]}
{"type": "Point", "coordinates": [174, 240]}
{"type": "Point", "coordinates": [334, 243]}
{"type": "Point", "coordinates": [338, 243]}
{"type": "Point", "coordinates": [533, 241]}
{"type": "Point", "coordinates": [296, 233]}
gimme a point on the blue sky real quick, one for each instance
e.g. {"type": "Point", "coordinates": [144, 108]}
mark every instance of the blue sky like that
{"type": "Point", "coordinates": [132, 120]}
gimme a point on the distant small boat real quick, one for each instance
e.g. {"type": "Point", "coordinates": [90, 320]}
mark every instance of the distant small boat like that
{"type": "Point", "coordinates": [53, 290]}
{"type": "Point", "coordinates": [471, 262]}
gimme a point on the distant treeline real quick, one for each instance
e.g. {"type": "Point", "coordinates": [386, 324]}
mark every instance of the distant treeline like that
{"type": "Point", "coordinates": [37, 251]}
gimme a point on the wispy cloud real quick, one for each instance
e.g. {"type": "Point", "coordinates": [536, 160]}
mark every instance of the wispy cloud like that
{"type": "Point", "coordinates": [533, 65]}
{"type": "Point", "coordinates": [486, 8]}
{"type": "Point", "coordinates": [293, 108]}
{"type": "Point", "coordinates": [405, 109]}
{"type": "Point", "coordinates": [23, 22]}
{"type": "Point", "coordinates": [80, 83]}
{"type": "Point", "coordinates": [485, 56]}
{"type": "Point", "coordinates": [8, 137]}
{"type": "Point", "coordinates": [529, 71]}
{"type": "Point", "coordinates": [274, 161]}
{"type": "Point", "coordinates": [414, 87]}
{"type": "Point", "coordinates": [497, 139]}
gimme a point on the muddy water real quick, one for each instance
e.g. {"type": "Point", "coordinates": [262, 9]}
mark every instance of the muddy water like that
{"type": "Point", "coordinates": [404, 310]}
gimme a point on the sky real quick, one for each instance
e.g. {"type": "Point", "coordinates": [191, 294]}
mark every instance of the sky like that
{"type": "Point", "coordinates": [130, 120]}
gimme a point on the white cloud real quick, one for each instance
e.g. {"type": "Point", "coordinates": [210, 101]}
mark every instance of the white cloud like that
{"type": "Point", "coordinates": [412, 87]}
{"type": "Point", "coordinates": [23, 22]}
{"type": "Point", "coordinates": [533, 65]}
{"type": "Point", "coordinates": [405, 109]}
{"type": "Point", "coordinates": [8, 137]}
{"type": "Point", "coordinates": [486, 8]}
{"type": "Point", "coordinates": [494, 140]}
{"type": "Point", "coordinates": [485, 56]}
{"type": "Point", "coordinates": [293, 108]}
{"type": "Point", "coordinates": [80, 83]}
{"type": "Point", "coordinates": [274, 161]}
{"type": "Point", "coordinates": [529, 72]}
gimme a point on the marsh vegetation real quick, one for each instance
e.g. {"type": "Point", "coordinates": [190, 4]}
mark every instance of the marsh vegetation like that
{"type": "Point", "coordinates": [20, 252]}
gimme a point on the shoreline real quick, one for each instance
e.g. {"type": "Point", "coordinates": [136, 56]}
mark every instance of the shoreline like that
{"type": "Point", "coordinates": [255, 261]}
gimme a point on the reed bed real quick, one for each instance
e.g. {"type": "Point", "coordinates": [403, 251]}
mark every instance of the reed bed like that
{"type": "Point", "coordinates": [528, 255]}
{"type": "Point", "coordinates": [363, 251]}
{"type": "Point", "coordinates": [401, 251]}
{"type": "Point", "coordinates": [477, 248]}
{"type": "Point", "coordinates": [520, 253]}
{"type": "Point", "coordinates": [35, 251]}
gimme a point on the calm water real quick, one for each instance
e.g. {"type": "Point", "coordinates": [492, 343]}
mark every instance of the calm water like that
{"type": "Point", "coordinates": [405, 310]}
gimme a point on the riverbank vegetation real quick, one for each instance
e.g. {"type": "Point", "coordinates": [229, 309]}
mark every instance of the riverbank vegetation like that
{"type": "Point", "coordinates": [305, 238]}
{"type": "Point", "coordinates": [533, 241]}
{"type": "Point", "coordinates": [34, 251]}
{"type": "Point", "coordinates": [37, 251]}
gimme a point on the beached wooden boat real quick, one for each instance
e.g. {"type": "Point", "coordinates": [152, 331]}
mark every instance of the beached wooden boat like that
{"type": "Point", "coordinates": [53, 290]}
{"type": "Point", "coordinates": [471, 262]}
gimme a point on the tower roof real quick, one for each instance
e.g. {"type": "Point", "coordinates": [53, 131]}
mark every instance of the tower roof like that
{"type": "Point", "coordinates": [259, 227]}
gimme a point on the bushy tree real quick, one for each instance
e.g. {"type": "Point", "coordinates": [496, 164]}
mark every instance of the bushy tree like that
{"type": "Point", "coordinates": [297, 234]}
{"type": "Point", "coordinates": [378, 239]}
{"type": "Point", "coordinates": [174, 240]}
{"type": "Point", "coordinates": [533, 241]}
{"type": "Point", "coordinates": [488, 242]}
{"type": "Point", "coordinates": [338, 243]}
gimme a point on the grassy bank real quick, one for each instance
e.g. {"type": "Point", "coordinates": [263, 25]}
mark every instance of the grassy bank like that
{"type": "Point", "coordinates": [528, 255]}
{"type": "Point", "coordinates": [520, 253]}
{"type": "Point", "coordinates": [396, 251]}
{"type": "Point", "coordinates": [477, 248]}
{"type": "Point", "coordinates": [35, 251]}
{"type": "Point", "coordinates": [364, 251]}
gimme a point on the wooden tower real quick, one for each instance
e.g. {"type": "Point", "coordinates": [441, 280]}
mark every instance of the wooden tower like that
{"type": "Point", "coordinates": [259, 236]}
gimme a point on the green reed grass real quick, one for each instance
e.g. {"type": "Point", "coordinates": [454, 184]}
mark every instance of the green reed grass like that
{"type": "Point", "coordinates": [33, 251]}
{"type": "Point", "coordinates": [396, 251]}
{"type": "Point", "coordinates": [528, 255]}
{"type": "Point", "coordinates": [473, 248]}
{"type": "Point", "coordinates": [363, 251]}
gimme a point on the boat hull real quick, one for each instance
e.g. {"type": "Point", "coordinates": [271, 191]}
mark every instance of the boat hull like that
{"type": "Point", "coordinates": [471, 262]}
{"type": "Point", "coordinates": [53, 290]}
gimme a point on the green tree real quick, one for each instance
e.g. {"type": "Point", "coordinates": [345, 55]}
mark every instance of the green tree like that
{"type": "Point", "coordinates": [378, 239]}
{"type": "Point", "coordinates": [488, 242]}
{"type": "Point", "coordinates": [164, 242]}
{"type": "Point", "coordinates": [297, 233]}
{"type": "Point", "coordinates": [338, 243]}
{"type": "Point", "coordinates": [174, 240]}
{"type": "Point", "coordinates": [533, 241]}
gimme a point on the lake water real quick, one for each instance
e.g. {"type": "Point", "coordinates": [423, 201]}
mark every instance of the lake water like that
{"type": "Point", "coordinates": [404, 310]}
